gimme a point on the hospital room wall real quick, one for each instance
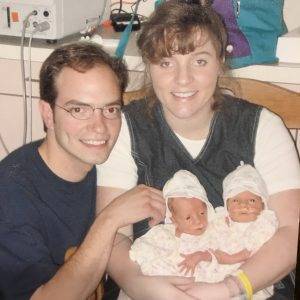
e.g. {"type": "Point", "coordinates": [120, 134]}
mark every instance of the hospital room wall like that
{"type": "Point", "coordinates": [11, 103]}
{"type": "Point", "coordinates": [291, 10]}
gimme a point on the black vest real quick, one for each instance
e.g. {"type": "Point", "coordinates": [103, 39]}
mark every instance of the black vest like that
{"type": "Point", "coordinates": [158, 153]}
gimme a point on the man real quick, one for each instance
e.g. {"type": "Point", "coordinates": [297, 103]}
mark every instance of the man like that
{"type": "Point", "coordinates": [48, 188]}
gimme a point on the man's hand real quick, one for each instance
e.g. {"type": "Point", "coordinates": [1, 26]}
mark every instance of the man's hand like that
{"type": "Point", "coordinates": [135, 205]}
{"type": "Point", "coordinates": [191, 261]}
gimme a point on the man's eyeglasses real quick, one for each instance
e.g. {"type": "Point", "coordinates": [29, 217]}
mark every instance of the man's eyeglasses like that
{"type": "Point", "coordinates": [86, 111]}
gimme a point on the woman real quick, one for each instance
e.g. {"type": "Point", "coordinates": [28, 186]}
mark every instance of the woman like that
{"type": "Point", "coordinates": [188, 124]}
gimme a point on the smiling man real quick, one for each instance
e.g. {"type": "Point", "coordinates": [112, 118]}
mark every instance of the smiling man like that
{"type": "Point", "coordinates": [48, 187]}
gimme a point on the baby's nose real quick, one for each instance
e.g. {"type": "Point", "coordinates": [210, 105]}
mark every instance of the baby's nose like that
{"type": "Point", "coordinates": [198, 220]}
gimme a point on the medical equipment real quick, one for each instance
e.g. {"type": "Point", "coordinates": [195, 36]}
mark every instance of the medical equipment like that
{"type": "Point", "coordinates": [59, 17]}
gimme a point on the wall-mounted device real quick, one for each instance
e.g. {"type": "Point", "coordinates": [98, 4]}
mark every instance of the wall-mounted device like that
{"type": "Point", "coordinates": [65, 17]}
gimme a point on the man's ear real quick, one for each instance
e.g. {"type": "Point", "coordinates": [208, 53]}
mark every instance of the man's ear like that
{"type": "Point", "coordinates": [47, 114]}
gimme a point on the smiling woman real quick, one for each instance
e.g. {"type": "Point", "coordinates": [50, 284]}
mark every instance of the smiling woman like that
{"type": "Point", "coordinates": [179, 79]}
{"type": "Point", "coordinates": [185, 122]}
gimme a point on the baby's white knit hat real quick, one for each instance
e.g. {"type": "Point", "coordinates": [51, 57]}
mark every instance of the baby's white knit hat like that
{"type": "Point", "coordinates": [185, 184]}
{"type": "Point", "coordinates": [244, 178]}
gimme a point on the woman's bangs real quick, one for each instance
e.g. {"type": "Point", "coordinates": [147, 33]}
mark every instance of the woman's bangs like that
{"type": "Point", "coordinates": [174, 41]}
{"type": "Point", "coordinates": [181, 42]}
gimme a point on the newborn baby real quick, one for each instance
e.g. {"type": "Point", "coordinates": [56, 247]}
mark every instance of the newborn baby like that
{"type": "Point", "coordinates": [172, 248]}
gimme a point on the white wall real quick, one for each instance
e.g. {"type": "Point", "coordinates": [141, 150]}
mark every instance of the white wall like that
{"type": "Point", "coordinates": [11, 116]}
{"type": "Point", "coordinates": [291, 10]}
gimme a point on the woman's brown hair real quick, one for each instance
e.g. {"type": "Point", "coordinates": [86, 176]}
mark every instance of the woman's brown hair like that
{"type": "Point", "coordinates": [173, 28]}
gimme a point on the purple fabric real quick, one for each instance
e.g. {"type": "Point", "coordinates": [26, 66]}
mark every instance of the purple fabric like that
{"type": "Point", "coordinates": [235, 36]}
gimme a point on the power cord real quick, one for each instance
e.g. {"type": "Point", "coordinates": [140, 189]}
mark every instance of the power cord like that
{"type": "Point", "coordinates": [93, 23]}
{"type": "Point", "coordinates": [40, 27]}
{"type": "Point", "coordinates": [22, 61]}
{"type": "Point", "coordinates": [120, 7]}
{"type": "Point", "coordinates": [4, 145]}
{"type": "Point", "coordinates": [124, 38]}
{"type": "Point", "coordinates": [121, 10]}
{"type": "Point", "coordinates": [25, 22]}
{"type": "Point", "coordinates": [103, 11]}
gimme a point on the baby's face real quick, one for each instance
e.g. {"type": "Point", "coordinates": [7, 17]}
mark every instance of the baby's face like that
{"type": "Point", "coordinates": [189, 215]}
{"type": "Point", "coordinates": [244, 207]}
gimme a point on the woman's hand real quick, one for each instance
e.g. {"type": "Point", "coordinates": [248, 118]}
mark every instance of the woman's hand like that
{"type": "Point", "coordinates": [206, 291]}
{"type": "Point", "coordinates": [160, 288]}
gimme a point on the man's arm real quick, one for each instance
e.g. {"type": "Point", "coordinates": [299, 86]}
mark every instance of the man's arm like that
{"type": "Point", "coordinates": [80, 275]}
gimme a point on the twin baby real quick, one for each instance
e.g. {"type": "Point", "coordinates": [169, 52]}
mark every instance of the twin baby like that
{"type": "Point", "coordinates": [200, 241]}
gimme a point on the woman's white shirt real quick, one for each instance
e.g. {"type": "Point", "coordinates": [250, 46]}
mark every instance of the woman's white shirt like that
{"type": "Point", "coordinates": [275, 157]}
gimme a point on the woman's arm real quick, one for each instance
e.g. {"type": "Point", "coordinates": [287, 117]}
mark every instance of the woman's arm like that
{"type": "Point", "coordinates": [127, 274]}
{"type": "Point", "coordinates": [277, 257]}
{"type": "Point", "coordinates": [278, 163]}
{"type": "Point", "coordinates": [120, 171]}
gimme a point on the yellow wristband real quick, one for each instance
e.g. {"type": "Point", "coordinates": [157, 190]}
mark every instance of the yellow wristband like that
{"type": "Point", "coordinates": [246, 283]}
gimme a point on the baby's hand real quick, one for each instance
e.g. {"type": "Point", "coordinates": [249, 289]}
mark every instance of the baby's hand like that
{"type": "Point", "coordinates": [245, 254]}
{"type": "Point", "coordinates": [191, 260]}
{"type": "Point", "coordinates": [226, 258]}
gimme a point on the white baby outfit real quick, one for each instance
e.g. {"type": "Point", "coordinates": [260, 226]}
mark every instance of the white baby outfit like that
{"type": "Point", "coordinates": [158, 251]}
{"type": "Point", "coordinates": [235, 236]}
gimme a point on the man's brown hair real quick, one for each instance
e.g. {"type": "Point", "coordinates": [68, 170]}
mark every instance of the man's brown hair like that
{"type": "Point", "coordinates": [80, 56]}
